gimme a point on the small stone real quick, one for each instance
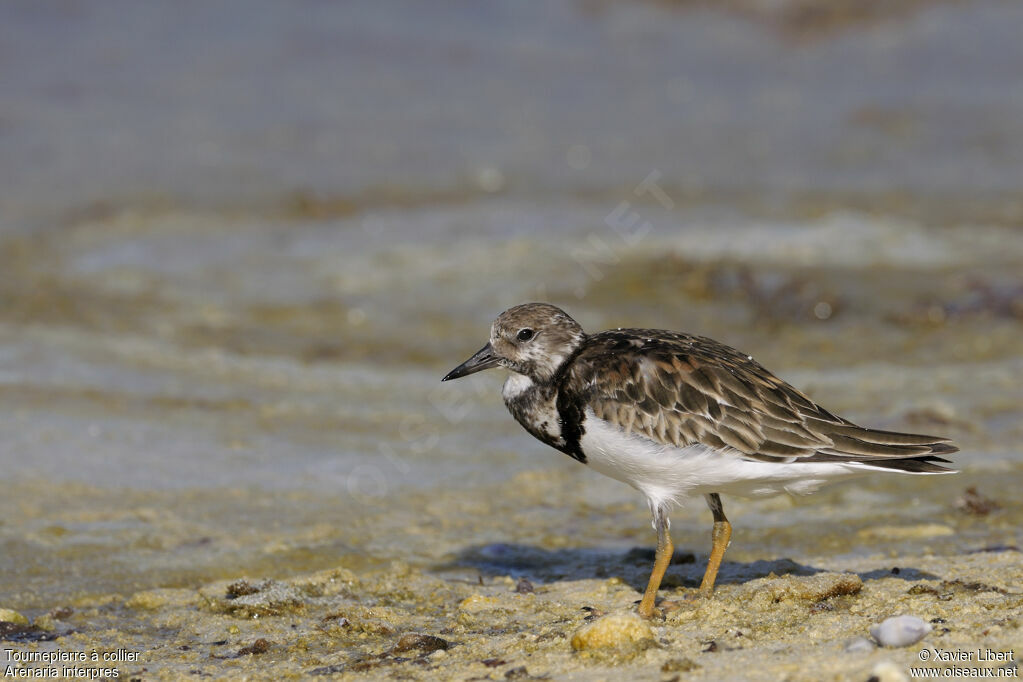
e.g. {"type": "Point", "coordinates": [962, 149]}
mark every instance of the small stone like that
{"type": "Point", "coordinates": [240, 588]}
{"type": "Point", "coordinates": [524, 587]}
{"type": "Point", "coordinates": [46, 622]}
{"type": "Point", "coordinates": [62, 612]}
{"type": "Point", "coordinates": [477, 602]}
{"type": "Point", "coordinates": [886, 671]}
{"type": "Point", "coordinates": [859, 645]}
{"type": "Point", "coordinates": [260, 646]}
{"type": "Point", "coordinates": [617, 630]}
{"type": "Point", "coordinates": [900, 631]}
{"type": "Point", "coordinates": [12, 616]}
{"type": "Point", "coordinates": [415, 641]}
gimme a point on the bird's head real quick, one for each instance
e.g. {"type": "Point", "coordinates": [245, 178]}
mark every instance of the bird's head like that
{"type": "Point", "coordinates": [533, 339]}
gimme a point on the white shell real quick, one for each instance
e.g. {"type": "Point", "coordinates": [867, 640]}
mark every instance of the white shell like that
{"type": "Point", "coordinates": [859, 645]}
{"type": "Point", "coordinates": [900, 631]}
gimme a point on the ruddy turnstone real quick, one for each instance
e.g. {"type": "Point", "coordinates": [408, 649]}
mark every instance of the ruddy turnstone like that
{"type": "Point", "coordinates": [675, 415]}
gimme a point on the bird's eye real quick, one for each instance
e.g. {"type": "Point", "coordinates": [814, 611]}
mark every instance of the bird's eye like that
{"type": "Point", "coordinates": [524, 334]}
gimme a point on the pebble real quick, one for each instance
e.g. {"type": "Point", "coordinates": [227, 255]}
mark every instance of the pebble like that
{"type": "Point", "coordinates": [260, 646]}
{"type": "Point", "coordinates": [614, 631]}
{"type": "Point", "coordinates": [900, 631]}
{"type": "Point", "coordinates": [415, 641]}
{"type": "Point", "coordinates": [886, 671]}
{"type": "Point", "coordinates": [477, 602]}
{"type": "Point", "coordinates": [46, 622]}
{"type": "Point", "coordinates": [859, 645]}
{"type": "Point", "coordinates": [12, 616]}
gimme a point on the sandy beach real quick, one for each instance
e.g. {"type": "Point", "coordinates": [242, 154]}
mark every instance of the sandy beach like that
{"type": "Point", "coordinates": [514, 609]}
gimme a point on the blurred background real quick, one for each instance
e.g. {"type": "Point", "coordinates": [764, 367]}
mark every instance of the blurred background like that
{"type": "Point", "coordinates": [240, 243]}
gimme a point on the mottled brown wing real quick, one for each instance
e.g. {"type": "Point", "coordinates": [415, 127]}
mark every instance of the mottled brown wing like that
{"type": "Point", "coordinates": [680, 389]}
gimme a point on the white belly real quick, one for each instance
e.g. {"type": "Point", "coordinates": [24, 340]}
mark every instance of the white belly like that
{"type": "Point", "coordinates": [667, 474]}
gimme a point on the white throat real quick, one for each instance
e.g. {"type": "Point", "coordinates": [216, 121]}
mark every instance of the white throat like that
{"type": "Point", "coordinates": [516, 385]}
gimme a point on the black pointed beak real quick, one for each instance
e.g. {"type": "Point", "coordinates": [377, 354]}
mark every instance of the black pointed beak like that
{"type": "Point", "coordinates": [483, 359]}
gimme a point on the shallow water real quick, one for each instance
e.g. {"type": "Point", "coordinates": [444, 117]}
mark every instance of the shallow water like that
{"type": "Point", "coordinates": [224, 311]}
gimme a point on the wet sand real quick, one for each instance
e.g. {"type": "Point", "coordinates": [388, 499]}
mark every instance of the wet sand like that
{"type": "Point", "coordinates": [791, 600]}
{"type": "Point", "coordinates": [253, 489]}
{"type": "Point", "coordinates": [156, 459]}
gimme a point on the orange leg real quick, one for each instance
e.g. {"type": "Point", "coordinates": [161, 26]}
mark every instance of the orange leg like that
{"type": "Point", "coordinates": [665, 550]}
{"type": "Point", "coordinates": [721, 537]}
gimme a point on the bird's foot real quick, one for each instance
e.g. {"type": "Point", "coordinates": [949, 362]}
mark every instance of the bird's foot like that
{"type": "Point", "coordinates": [649, 611]}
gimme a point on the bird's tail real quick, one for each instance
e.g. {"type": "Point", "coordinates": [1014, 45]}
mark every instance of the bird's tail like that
{"type": "Point", "coordinates": [890, 450]}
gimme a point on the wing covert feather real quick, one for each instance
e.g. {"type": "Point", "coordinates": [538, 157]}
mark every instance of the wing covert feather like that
{"type": "Point", "coordinates": [679, 389]}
